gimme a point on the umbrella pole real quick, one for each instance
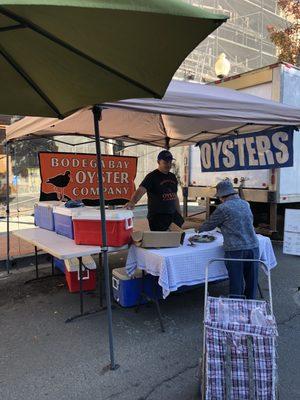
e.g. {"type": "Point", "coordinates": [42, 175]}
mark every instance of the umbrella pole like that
{"type": "Point", "coordinates": [7, 210]}
{"type": "Point", "coordinates": [97, 110]}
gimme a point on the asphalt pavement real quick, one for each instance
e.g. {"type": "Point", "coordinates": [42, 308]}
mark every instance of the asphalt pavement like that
{"type": "Point", "coordinates": [42, 357]}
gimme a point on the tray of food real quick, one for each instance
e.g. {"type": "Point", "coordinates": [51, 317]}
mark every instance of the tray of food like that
{"type": "Point", "coordinates": [201, 239]}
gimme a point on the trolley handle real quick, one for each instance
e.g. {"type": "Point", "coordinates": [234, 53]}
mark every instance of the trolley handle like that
{"type": "Point", "coordinates": [261, 263]}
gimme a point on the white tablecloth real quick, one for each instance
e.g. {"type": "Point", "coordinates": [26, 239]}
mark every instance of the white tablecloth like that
{"type": "Point", "coordinates": [185, 265]}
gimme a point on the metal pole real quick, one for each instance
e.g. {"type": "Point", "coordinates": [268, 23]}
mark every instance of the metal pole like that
{"type": "Point", "coordinates": [7, 210]}
{"type": "Point", "coordinates": [80, 285]}
{"type": "Point", "coordinates": [270, 291]}
{"type": "Point", "coordinates": [100, 281]}
{"type": "Point", "coordinates": [97, 111]}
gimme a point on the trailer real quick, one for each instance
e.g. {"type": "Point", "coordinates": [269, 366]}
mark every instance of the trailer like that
{"type": "Point", "coordinates": [268, 191]}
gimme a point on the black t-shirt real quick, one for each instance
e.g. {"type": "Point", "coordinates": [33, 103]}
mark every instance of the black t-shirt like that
{"type": "Point", "coordinates": [161, 191]}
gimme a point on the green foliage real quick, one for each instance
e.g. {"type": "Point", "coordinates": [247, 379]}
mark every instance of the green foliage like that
{"type": "Point", "coordinates": [176, 172]}
{"type": "Point", "coordinates": [25, 154]}
{"type": "Point", "coordinates": [287, 40]}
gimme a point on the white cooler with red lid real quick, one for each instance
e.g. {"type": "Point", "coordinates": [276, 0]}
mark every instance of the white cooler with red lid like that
{"type": "Point", "coordinates": [87, 227]}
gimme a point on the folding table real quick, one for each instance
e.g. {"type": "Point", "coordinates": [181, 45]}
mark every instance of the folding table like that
{"type": "Point", "coordinates": [64, 248]}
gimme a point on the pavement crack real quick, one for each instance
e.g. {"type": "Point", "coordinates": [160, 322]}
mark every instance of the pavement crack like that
{"type": "Point", "coordinates": [113, 395]}
{"type": "Point", "coordinates": [167, 380]}
{"type": "Point", "coordinates": [289, 319]}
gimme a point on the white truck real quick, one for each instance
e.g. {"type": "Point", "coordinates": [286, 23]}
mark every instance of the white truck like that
{"type": "Point", "coordinates": [268, 191]}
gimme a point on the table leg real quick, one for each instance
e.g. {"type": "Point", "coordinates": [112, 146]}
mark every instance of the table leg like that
{"type": "Point", "coordinates": [52, 265]}
{"type": "Point", "coordinates": [91, 312]}
{"type": "Point", "coordinates": [142, 294]}
{"type": "Point", "coordinates": [36, 263]}
{"type": "Point", "coordinates": [154, 300]}
{"type": "Point", "coordinates": [40, 278]}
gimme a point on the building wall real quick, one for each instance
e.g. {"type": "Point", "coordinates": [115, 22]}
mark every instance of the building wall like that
{"type": "Point", "coordinates": [244, 38]}
{"type": "Point", "coordinates": [245, 41]}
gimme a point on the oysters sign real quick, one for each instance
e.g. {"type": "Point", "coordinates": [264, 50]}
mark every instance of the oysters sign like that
{"type": "Point", "coordinates": [72, 176]}
{"type": "Point", "coordinates": [261, 150]}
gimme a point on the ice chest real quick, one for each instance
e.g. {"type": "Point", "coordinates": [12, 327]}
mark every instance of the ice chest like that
{"type": "Point", "coordinates": [127, 289]}
{"type": "Point", "coordinates": [59, 264]}
{"type": "Point", "coordinates": [88, 274]}
{"type": "Point", "coordinates": [87, 227]}
{"type": "Point", "coordinates": [63, 223]}
{"type": "Point", "coordinates": [43, 214]}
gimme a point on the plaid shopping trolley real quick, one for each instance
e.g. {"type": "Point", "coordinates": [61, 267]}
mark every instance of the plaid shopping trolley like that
{"type": "Point", "coordinates": [239, 353]}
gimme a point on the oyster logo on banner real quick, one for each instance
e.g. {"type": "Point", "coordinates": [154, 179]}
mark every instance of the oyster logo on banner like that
{"type": "Point", "coordinates": [261, 150]}
{"type": "Point", "coordinates": [75, 176]}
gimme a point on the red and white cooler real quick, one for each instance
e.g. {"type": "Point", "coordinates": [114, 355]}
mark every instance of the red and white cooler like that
{"type": "Point", "coordinates": [87, 227]}
{"type": "Point", "coordinates": [88, 274]}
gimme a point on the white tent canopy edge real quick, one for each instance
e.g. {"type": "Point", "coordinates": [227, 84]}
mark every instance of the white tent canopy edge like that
{"type": "Point", "coordinates": [189, 112]}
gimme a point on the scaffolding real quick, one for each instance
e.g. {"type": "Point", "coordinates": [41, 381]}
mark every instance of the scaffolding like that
{"type": "Point", "coordinates": [244, 38]}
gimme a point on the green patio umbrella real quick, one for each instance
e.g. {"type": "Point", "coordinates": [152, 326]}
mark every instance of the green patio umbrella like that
{"type": "Point", "coordinates": [58, 56]}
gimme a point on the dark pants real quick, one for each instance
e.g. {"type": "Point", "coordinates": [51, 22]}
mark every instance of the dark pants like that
{"type": "Point", "coordinates": [243, 275]}
{"type": "Point", "coordinates": [161, 222]}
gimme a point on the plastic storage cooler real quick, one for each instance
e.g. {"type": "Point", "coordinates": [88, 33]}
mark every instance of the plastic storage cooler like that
{"type": "Point", "coordinates": [127, 289]}
{"type": "Point", "coordinates": [87, 227]}
{"type": "Point", "coordinates": [88, 274]}
{"type": "Point", "coordinates": [60, 265]}
{"type": "Point", "coordinates": [43, 214]}
{"type": "Point", "coordinates": [63, 223]}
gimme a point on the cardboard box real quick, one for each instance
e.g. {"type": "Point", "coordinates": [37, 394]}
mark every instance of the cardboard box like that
{"type": "Point", "coordinates": [175, 228]}
{"type": "Point", "coordinates": [153, 239]}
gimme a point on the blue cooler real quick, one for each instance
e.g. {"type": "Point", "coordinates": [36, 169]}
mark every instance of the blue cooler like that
{"type": "Point", "coordinates": [63, 223]}
{"type": "Point", "coordinates": [59, 264]}
{"type": "Point", "coordinates": [127, 289]}
{"type": "Point", "coordinates": [43, 214]}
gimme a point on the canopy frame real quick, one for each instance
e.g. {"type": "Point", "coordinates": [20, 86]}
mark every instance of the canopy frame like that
{"type": "Point", "coordinates": [25, 23]}
{"type": "Point", "coordinates": [97, 114]}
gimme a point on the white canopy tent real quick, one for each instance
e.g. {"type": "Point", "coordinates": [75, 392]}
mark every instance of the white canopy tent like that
{"type": "Point", "coordinates": [189, 112]}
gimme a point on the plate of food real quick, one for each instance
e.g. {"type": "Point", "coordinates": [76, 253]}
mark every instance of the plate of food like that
{"type": "Point", "coordinates": [201, 239]}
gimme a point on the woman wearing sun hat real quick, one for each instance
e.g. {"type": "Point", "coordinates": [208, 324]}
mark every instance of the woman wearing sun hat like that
{"type": "Point", "coordinates": [235, 220]}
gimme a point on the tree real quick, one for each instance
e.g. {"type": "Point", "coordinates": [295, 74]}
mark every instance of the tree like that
{"type": "Point", "coordinates": [176, 172]}
{"type": "Point", "coordinates": [25, 154]}
{"type": "Point", "coordinates": [287, 40]}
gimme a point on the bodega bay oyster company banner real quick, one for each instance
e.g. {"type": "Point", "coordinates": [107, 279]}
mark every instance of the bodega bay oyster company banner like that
{"type": "Point", "coordinates": [66, 176]}
{"type": "Point", "coordinates": [261, 150]}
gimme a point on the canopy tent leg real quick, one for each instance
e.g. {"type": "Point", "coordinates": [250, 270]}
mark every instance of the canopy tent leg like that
{"type": "Point", "coordinates": [97, 111]}
{"type": "Point", "coordinates": [7, 210]}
